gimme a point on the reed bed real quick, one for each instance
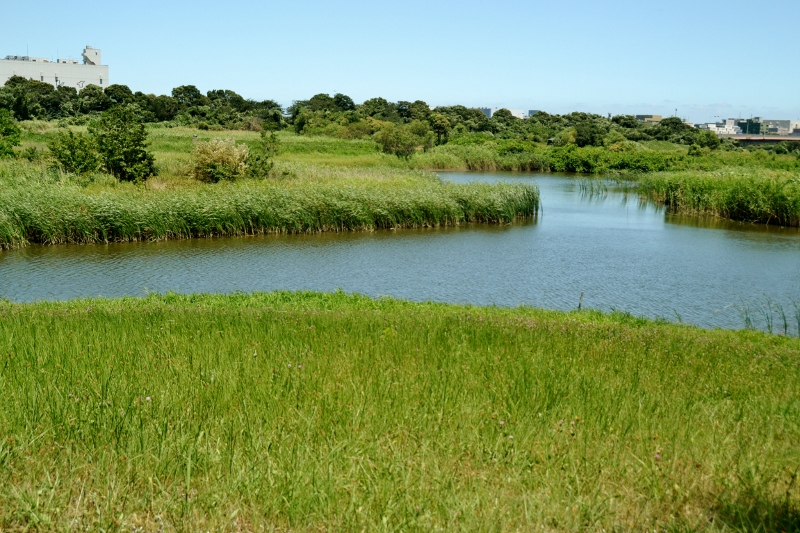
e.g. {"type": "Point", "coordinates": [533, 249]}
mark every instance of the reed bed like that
{"type": "Point", "coordinates": [38, 210]}
{"type": "Point", "coordinates": [332, 412]}
{"type": "Point", "coordinates": [750, 195]}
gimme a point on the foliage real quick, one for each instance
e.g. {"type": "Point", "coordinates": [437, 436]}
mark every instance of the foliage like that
{"type": "Point", "coordinates": [336, 412]}
{"type": "Point", "coordinates": [74, 152]}
{"type": "Point", "coordinates": [40, 211]}
{"type": "Point", "coordinates": [9, 134]}
{"type": "Point", "coordinates": [403, 140]}
{"type": "Point", "coordinates": [121, 141]}
{"type": "Point", "coordinates": [766, 197]}
{"type": "Point", "coordinates": [219, 160]}
{"type": "Point", "coordinates": [261, 159]}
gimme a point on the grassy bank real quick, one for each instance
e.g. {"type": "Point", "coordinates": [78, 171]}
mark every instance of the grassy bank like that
{"type": "Point", "coordinates": [37, 205]}
{"type": "Point", "coordinates": [335, 412]}
{"type": "Point", "coordinates": [750, 195]}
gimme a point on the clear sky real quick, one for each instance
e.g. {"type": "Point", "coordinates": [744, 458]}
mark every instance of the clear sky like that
{"type": "Point", "coordinates": [704, 57]}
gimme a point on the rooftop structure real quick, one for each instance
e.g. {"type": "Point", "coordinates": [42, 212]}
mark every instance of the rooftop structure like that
{"type": "Point", "coordinates": [59, 73]}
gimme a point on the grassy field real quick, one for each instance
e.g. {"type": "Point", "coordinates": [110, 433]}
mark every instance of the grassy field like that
{"type": "Point", "coordinates": [312, 412]}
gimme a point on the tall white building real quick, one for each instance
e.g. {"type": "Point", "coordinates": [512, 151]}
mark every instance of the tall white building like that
{"type": "Point", "coordinates": [62, 72]}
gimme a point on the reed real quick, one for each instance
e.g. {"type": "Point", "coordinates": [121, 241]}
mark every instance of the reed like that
{"type": "Point", "coordinates": [37, 209]}
{"type": "Point", "coordinates": [747, 194]}
{"type": "Point", "coordinates": [309, 412]}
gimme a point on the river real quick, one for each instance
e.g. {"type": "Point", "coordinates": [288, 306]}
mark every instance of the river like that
{"type": "Point", "coordinates": [620, 253]}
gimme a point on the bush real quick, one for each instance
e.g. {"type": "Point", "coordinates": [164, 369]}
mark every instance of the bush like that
{"type": "Point", "coordinates": [403, 140]}
{"type": "Point", "coordinates": [218, 160]}
{"type": "Point", "coordinates": [260, 160]}
{"type": "Point", "coordinates": [74, 152]}
{"type": "Point", "coordinates": [121, 141]}
{"type": "Point", "coordinates": [9, 134]}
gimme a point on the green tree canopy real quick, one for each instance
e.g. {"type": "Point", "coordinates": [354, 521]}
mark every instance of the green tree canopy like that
{"type": "Point", "coordinates": [121, 141]}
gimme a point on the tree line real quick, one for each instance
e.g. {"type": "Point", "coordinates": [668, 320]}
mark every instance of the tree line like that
{"type": "Point", "coordinates": [400, 127]}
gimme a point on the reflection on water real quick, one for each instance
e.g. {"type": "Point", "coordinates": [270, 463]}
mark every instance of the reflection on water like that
{"type": "Point", "coordinates": [620, 252]}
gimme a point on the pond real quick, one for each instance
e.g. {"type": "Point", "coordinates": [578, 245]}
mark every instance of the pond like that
{"type": "Point", "coordinates": [622, 254]}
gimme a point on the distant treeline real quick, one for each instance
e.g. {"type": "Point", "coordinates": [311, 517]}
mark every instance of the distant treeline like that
{"type": "Point", "coordinates": [401, 128]}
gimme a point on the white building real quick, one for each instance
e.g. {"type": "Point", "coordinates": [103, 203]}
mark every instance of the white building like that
{"type": "Point", "coordinates": [727, 127]}
{"type": "Point", "coordinates": [62, 72]}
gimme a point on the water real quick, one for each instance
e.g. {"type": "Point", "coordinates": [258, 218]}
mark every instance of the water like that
{"type": "Point", "coordinates": [622, 255]}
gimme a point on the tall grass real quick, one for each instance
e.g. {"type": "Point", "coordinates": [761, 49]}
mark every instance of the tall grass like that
{"type": "Point", "coordinates": [751, 195]}
{"type": "Point", "coordinates": [333, 412]}
{"type": "Point", "coordinates": [38, 210]}
{"type": "Point", "coordinates": [590, 159]}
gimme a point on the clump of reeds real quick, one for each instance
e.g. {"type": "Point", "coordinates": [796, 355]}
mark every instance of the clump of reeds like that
{"type": "Point", "coordinates": [42, 211]}
{"type": "Point", "coordinates": [747, 194]}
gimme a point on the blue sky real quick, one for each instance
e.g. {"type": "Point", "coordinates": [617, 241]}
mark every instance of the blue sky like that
{"type": "Point", "coordinates": [703, 57]}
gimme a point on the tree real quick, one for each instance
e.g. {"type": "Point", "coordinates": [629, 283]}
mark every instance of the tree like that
{"type": "Point", "coordinates": [626, 121]}
{"type": "Point", "coordinates": [398, 139]}
{"type": "Point", "coordinates": [343, 102]}
{"type": "Point", "coordinates": [588, 133]}
{"type": "Point", "coordinates": [708, 139]}
{"type": "Point", "coordinates": [9, 134]}
{"type": "Point", "coordinates": [321, 102]}
{"type": "Point", "coordinates": [119, 94]}
{"type": "Point", "coordinates": [380, 109]}
{"type": "Point", "coordinates": [189, 96]}
{"type": "Point", "coordinates": [122, 144]}
{"type": "Point", "coordinates": [92, 98]}
{"type": "Point", "coordinates": [440, 126]}
{"type": "Point", "coordinates": [260, 160]}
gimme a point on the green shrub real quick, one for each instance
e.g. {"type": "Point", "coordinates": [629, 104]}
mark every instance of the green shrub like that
{"type": "Point", "coordinates": [219, 160]}
{"type": "Point", "coordinates": [121, 141]}
{"type": "Point", "coordinates": [9, 133]}
{"type": "Point", "coordinates": [403, 140]}
{"type": "Point", "coordinates": [74, 152]}
{"type": "Point", "coordinates": [261, 158]}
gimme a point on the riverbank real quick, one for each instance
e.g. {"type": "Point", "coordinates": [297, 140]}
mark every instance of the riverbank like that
{"type": "Point", "coordinates": [42, 206]}
{"type": "Point", "coordinates": [309, 411]}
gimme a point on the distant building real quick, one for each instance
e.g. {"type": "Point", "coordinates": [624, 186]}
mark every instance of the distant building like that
{"type": "Point", "coordinates": [727, 127]}
{"type": "Point", "coordinates": [776, 127]}
{"type": "Point", "coordinates": [62, 72]}
{"type": "Point", "coordinates": [649, 119]}
{"type": "Point", "coordinates": [490, 111]}
{"type": "Point", "coordinates": [533, 112]}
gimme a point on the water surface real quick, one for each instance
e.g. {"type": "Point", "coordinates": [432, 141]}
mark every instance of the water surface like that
{"type": "Point", "coordinates": [620, 253]}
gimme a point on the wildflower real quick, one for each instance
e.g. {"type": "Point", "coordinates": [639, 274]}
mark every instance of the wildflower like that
{"type": "Point", "coordinates": [502, 422]}
{"type": "Point", "coordinates": [299, 366]}
{"type": "Point", "coordinates": [148, 399]}
{"type": "Point", "coordinates": [511, 436]}
{"type": "Point", "coordinates": [658, 457]}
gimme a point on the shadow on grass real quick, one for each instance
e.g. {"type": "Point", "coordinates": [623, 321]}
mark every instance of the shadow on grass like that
{"type": "Point", "coordinates": [755, 513]}
{"type": "Point", "coordinates": [747, 514]}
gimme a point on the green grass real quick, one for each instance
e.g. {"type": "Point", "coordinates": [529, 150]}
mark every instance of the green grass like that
{"type": "Point", "coordinates": [35, 208]}
{"type": "Point", "coordinates": [309, 412]}
{"type": "Point", "coordinates": [746, 194]}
